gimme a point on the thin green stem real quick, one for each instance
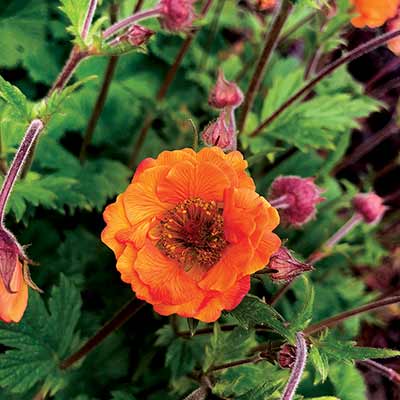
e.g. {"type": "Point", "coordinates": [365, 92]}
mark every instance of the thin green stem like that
{"type": "Point", "coordinates": [126, 312]}
{"type": "Point", "coordinates": [350, 56]}
{"type": "Point", "coordinates": [270, 44]}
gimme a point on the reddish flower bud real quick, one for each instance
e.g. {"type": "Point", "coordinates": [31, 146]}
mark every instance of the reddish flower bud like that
{"type": "Point", "coordinates": [138, 35]}
{"type": "Point", "coordinates": [225, 93]}
{"type": "Point", "coordinates": [296, 198]}
{"type": "Point", "coordinates": [285, 267]}
{"type": "Point", "coordinates": [220, 133]}
{"type": "Point", "coordinates": [370, 206]}
{"type": "Point", "coordinates": [264, 5]}
{"type": "Point", "coordinates": [287, 356]}
{"type": "Point", "coordinates": [177, 14]}
{"type": "Point", "coordinates": [13, 289]}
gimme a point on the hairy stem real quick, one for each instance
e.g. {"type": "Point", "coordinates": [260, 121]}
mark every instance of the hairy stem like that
{"type": "Point", "coordinates": [34, 128]}
{"type": "Point", "coordinates": [126, 312]}
{"type": "Point", "coordinates": [389, 373]}
{"type": "Point", "coordinates": [350, 56]}
{"type": "Point", "coordinates": [271, 43]}
{"type": "Point", "coordinates": [124, 23]}
{"type": "Point", "coordinates": [298, 368]}
{"type": "Point", "coordinates": [89, 18]}
{"type": "Point", "coordinates": [336, 319]}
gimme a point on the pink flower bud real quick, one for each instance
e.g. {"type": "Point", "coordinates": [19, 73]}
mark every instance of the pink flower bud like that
{"type": "Point", "coordinates": [370, 206]}
{"type": "Point", "coordinates": [285, 267]}
{"type": "Point", "coordinates": [296, 198]}
{"type": "Point", "coordinates": [220, 133]}
{"type": "Point", "coordinates": [13, 289]}
{"type": "Point", "coordinates": [287, 356]}
{"type": "Point", "coordinates": [137, 35]}
{"type": "Point", "coordinates": [177, 14]}
{"type": "Point", "coordinates": [225, 93]}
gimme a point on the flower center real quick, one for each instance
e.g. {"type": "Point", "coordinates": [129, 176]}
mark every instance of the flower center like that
{"type": "Point", "coordinates": [192, 233]}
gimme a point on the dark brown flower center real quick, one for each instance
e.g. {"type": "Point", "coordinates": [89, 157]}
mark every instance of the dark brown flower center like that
{"type": "Point", "coordinates": [192, 233]}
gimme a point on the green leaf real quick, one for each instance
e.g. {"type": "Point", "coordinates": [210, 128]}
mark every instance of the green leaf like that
{"type": "Point", "coordinates": [40, 341]}
{"type": "Point", "coordinates": [304, 314]}
{"type": "Point", "coordinates": [75, 10]}
{"type": "Point", "coordinates": [122, 395]}
{"type": "Point", "coordinates": [15, 98]}
{"type": "Point", "coordinates": [252, 311]}
{"type": "Point", "coordinates": [320, 363]}
{"type": "Point", "coordinates": [347, 381]}
{"type": "Point", "coordinates": [181, 357]}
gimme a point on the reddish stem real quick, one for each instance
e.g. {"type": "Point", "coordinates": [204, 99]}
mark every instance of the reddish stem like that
{"type": "Point", "coordinates": [352, 55]}
{"type": "Point", "coordinates": [89, 18]}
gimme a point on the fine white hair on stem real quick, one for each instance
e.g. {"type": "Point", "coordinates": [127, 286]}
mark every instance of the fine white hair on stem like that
{"type": "Point", "coordinates": [89, 18]}
{"type": "Point", "coordinates": [298, 368]}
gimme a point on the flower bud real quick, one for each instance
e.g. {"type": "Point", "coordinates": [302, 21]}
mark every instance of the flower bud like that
{"type": "Point", "coordinates": [287, 356]}
{"type": "Point", "coordinates": [225, 93]}
{"type": "Point", "coordinates": [220, 133]}
{"type": "Point", "coordinates": [296, 198]}
{"type": "Point", "coordinates": [13, 289]}
{"type": "Point", "coordinates": [370, 206]}
{"type": "Point", "coordinates": [138, 35]}
{"type": "Point", "coordinates": [285, 267]}
{"type": "Point", "coordinates": [177, 14]}
{"type": "Point", "coordinates": [264, 5]}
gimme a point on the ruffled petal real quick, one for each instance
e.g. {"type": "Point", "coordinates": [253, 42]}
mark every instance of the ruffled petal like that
{"type": "Point", "coordinates": [170, 158]}
{"type": "Point", "coordinates": [187, 180]}
{"type": "Point", "coordinates": [168, 283]}
{"type": "Point", "coordinates": [143, 166]}
{"type": "Point", "coordinates": [116, 220]}
{"type": "Point", "coordinates": [140, 199]}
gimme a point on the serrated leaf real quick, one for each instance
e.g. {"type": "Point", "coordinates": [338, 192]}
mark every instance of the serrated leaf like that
{"type": "Point", "coordinates": [320, 363]}
{"type": "Point", "coordinates": [40, 341]}
{"type": "Point", "coordinates": [15, 98]}
{"type": "Point", "coordinates": [75, 10]}
{"type": "Point", "coordinates": [304, 313]}
{"type": "Point", "coordinates": [252, 311]}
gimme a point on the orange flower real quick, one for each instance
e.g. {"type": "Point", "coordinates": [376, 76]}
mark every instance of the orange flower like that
{"type": "Point", "coordinates": [373, 13]}
{"type": "Point", "coordinates": [13, 304]}
{"type": "Point", "coordinates": [394, 44]}
{"type": "Point", "coordinates": [189, 230]}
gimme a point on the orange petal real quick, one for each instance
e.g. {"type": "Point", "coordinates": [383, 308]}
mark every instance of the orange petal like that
{"type": "Point", "coordinates": [170, 158]}
{"type": "Point", "coordinates": [224, 274]}
{"type": "Point", "coordinates": [140, 199]}
{"type": "Point", "coordinates": [268, 245]}
{"type": "Point", "coordinates": [115, 218]}
{"type": "Point", "coordinates": [187, 310]}
{"type": "Point", "coordinates": [135, 235]}
{"type": "Point", "coordinates": [168, 283]}
{"type": "Point", "coordinates": [187, 180]}
{"type": "Point", "coordinates": [145, 164]}
{"type": "Point", "coordinates": [227, 300]}
{"type": "Point", "coordinates": [125, 263]}
{"type": "Point", "coordinates": [235, 158]}
{"type": "Point", "coordinates": [13, 305]}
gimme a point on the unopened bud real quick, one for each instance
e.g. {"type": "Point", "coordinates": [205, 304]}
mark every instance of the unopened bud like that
{"type": "Point", "coordinates": [287, 356]}
{"type": "Point", "coordinates": [296, 198]}
{"type": "Point", "coordinates": [225, 93]}
{"type": "Point", "coordinates": [138, 35]}
{"type": "Point", "coordinates": [177, 14]}
{"type": "Point", "coordinates": [220, 133]}
{"type": "Point", "coordinates": [284, 267]}
{"type": "Point", "coordinates": [9, 255]}
{"type": "Point", "coordinates": [370, 206]}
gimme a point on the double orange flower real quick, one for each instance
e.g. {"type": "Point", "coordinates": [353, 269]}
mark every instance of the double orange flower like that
{"type": "Point", "coordinates": [189, 231]}
{"type": "Point", "coordinates": [373, 13]}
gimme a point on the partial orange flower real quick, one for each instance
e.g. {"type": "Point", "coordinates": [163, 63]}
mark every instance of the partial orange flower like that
{"type": "Point", "coordinates": [373, 13]}
{"type": "Point", "coordinates": [13, 302]}
{"type": "Point", "coordinates": [189, 231]}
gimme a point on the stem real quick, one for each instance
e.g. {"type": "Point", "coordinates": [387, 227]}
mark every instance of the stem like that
{"type": "Point", "coordinates": [34, 128]}
{"type": "Point", "coordinates": [102, 96]}
{"type": "Point", "coordinates": [321, 253]}
{"type": "Point", "coordinates": [148, 121]}
{"type": "Point", "coordinates": [271, 43]}
{"type": "Point", "coordinates": [251, 360]}
{"type": "Point", "coordinates": [336, 319]}
{"type": "Point", "coordinates": [350, 56]}
{"type": "Point", "coordinates": [298, 368]}
{"type": "Point", "coordinates": [389, 373]}
{"type": "Point", "coordinates": [124, 23]}
{"type": "Point", "coordinates": [366, 147]}
{"type": "Point", "coordinates": [89, 18]}
{"type": "Point", "coordinates": [126, 312]}
{"type": "Point", "coordinates": [74, 59]}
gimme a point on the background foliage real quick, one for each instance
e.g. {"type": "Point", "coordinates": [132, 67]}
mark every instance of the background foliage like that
{"type": "Point", "coordinates": [57, 207]}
